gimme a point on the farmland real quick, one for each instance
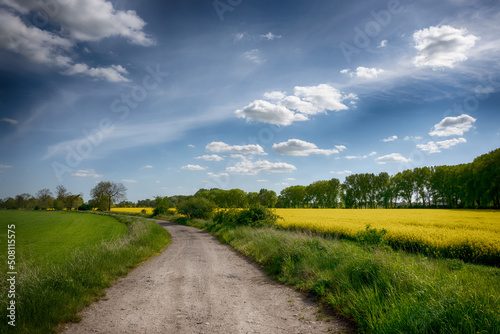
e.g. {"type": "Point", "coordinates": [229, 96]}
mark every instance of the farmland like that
{"type": "Point", "coordinates": [472, 235]}
{"type": "Point", "coordinates": [65, 260]}
{"type": "Point", "coordinates": [149, 211]}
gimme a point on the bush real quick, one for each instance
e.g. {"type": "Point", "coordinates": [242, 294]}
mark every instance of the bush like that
{"type": "Point", "coordinates": [372, 237]}
{"type": "Point", "coordinates": [254, 216]}
{"type": "Point", "coordinates": [85, 207]}
{"type": "Point", "coordinates": [196, 208]}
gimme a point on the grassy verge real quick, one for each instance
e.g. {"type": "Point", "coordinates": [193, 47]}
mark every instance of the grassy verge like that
{"type": "Point", "coordinates": [47, 295]}
{"type": "Point", "coordinates": [383, 291]}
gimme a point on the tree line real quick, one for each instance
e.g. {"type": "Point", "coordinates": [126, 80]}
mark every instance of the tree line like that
{"type": "Point", "coordinates": [472, 185]}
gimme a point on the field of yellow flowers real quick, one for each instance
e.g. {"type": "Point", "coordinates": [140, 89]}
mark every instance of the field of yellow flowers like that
{"type": "Point", "coordinates": [470, 235]}
{"type": "Point", "coordinates": [149, 211]}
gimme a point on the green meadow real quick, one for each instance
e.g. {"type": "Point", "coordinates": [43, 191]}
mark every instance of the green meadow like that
{"type": "Point", "coordinates": [66, 260]}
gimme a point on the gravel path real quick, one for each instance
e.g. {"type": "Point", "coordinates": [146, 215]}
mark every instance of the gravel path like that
{"type": "Point", "coordinates": [198, 285]}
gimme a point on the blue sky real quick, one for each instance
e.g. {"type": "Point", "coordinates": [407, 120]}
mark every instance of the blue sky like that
{"type": "Point", "coordinates": [170, 97]}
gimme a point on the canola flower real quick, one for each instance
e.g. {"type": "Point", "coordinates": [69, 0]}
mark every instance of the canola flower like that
{"type": "Point", "coordinates": [149, 211]}
{"type": "Point", "coordinates": [471, 235]}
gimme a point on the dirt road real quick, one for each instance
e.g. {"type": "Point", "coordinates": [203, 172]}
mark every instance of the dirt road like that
{"type": "Point", "coordinates": [198, 285]}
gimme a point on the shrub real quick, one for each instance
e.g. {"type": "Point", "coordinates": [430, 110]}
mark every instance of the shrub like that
{"type": "Point", "coordinates": [85, 207]}
{"type": "Point", "coordinates": [254, 216]}
{"type": "Point", "coordinates": [372, 237]}
{"type": "Point", "coordinates": [196, 207]}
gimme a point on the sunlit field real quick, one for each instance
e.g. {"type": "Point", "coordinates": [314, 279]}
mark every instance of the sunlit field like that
{"type": "Point", "coordinates": [149, 211]}
{"type": "Point", "coordinates": [472, 235]}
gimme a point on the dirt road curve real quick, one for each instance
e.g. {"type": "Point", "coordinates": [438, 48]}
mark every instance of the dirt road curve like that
{"type": "Point", "coordinates": [198, 285]}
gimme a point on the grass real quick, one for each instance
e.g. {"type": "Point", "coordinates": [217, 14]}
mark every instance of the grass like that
{"type": "Point", "coordinates": [53, 291]}
{"type": "Point", "coordinates": [381, 290]}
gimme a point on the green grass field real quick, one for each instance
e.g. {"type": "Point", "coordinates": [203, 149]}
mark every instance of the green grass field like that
{"type": "Point", "coordinates": [47, 238]}
{"type": "Point", "coordinates": [66, 260]}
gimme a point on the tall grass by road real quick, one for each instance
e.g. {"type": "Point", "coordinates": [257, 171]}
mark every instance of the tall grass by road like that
{"type": "Point", "coordinates": [381, 290]}
{"type": "Point", "coordinates": [49, 290]}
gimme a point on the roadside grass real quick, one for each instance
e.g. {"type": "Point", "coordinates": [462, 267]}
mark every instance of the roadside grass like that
{"type": "Point", "coordinates": [49, 293]}
{"type": "Point", "coordinates": [381, 290]}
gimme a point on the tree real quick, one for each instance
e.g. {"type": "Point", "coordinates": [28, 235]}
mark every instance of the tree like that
{"type": "Point", "coordinates": [105, 193]}
{"type": "Point", "coordinates": [196, 207]}
{"type": "Point", "coordinates": [162, 204]}
{"type": "Point", "coordinates": [293, 197]}
{"type": "Point", "coordinates": [44, 198]}
{"type": "Point", "coordinates": [267, 198]}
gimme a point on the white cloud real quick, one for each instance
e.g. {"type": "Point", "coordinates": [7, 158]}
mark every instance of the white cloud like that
{"type": "Point", "coordinates": [324, 96]}
{"type": "Point", "coordinates": [297, 104]}
{"type": "Point", "coordinates": [212, 157]}
{"type": "Point", "coordinates": [193, 167]}
{"type": "Point", "coordinates": [267, 112]}
{"type": "Point", "coordinates": [86, 173]}
{"type": "Point", "coordinates": [442, 46]}
{"type": "Point", "coordinates": [262, 180]}
{"type": "Point", "coordinates": [191, 145]}
{"type": "Point", "coordinates": [435, 147]}
{"type": "Point", "coordinates": [239, 36]}
{"type": "Point", "coordinates": [382, 44]}
{"type": "Point", "coordinates": [74, 21]}
{"type": "Point", "coordinates": [413, 138]}
{"type": "Point", "coordinates": [367, 73]}
{"type": "Point", "coordinates": [90, 20]}
{"type": "Point", "coordinates": [290, 179]}
{"type": "Point", "coordinates": [340, 147]}
{"type": "Point", "coordinates": [392, 138]}
{"type": "Point", "coordinates": [254, 56]}
{"type": "Point", "coordinates": [345, 71]}
{"type": "Point", "coordinates": [393, 157]}
{"type": "Point", "coordinates": [129, 181]}
{"type": "Point", "coordinates": [297, 147]}
{"type": "Point", "coordinates": [270, 36]}
{"type": "Point", "coordinates": [147, 167]}
{"type": "Point", "coordinates": [274, 95]}
{"type": "Point", "coordinates": [111, 74]}
{"type": "Point", "coordinates": [248, 167]}
{"type": "Point", "coordinates": [9, 120]}
{"type": "Point", "coordinates": [342, 172]}
{"type": "Point", "coordinates": [453, 126]}
{"type": "Point", "coordinates": [221, 147]}
{"type": "Point", "coordinates": [350, 157]}
{"type": "Point", "coordinates": [5, 166]}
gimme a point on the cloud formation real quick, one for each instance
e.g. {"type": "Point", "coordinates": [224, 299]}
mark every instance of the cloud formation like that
{"type": "Point", "coordinates": [9, 120]}
{"type": "Point", "coordinates": [453, 126]}
{"type": "Point", "coordinates": [221, 147]}
{"type": "Point", "coordinates": [285, 110]}
{"type": "Point", "coordinates": [193, 167]}
{"type": "Point", "coordinates": [393, 157]}
{"type": "Point", "coordinates": [212, 157]}
{"type": "Point", "coordinates": [392, 138]}
{"type": "Point", "coordinates": [297, 147]}
{"type": "Point", "coordinates": [247, 167]}
{"type": "Point", "coordinates": [363, 72]}
{"type": "Point", "coordinates": [442, 46]}
{"type": "Point", "coordinates": [435, 147]}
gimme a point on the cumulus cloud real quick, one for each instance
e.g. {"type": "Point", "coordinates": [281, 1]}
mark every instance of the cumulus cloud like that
{"type": "Point", "coordinates": [350, 157]}
{"type": "Point", "coordinates": [453, 126]}
{"type": "Point", "coordinates": [193, 167]}
{"type": "Point", "coordinates": [248, 167]}
{"type": "Point", "coordinates": [274, 95]}
{"type": "Point", "coordinates": [75, 21]}
{"type": "Point", "coordinates": [86, 173]}
{"type": "Point", "coordinates": [393, 157]}
{"type": "Point", "coordinates": [297, 147]}
{"type": "Point", "coordinates": [413, 138]}
{"type": "Point", "coordinates": [363, 72]}
{"type": "Point", "coordinates": [442, 46]}
{"type": "Point", "coordinates": [435, 147]}
{"type": "Point", "coordinates": [285, 110]}
{"type": "Point", "coordinates": [9, 120]}
{"type": "Point", "coordinates": [392, 138]}
{"type": "Point", "coordinates": [323, 96]}
{"type": "Point", "coordinates": [221, 147]}
{"type": "Point", "coordinates": [342, 172]}
{"type": "Point", "coordinates": [217, 175]}
{"type": "Point", "coordinates": [267, 112]}
{"type": "Point", "coordinates": [212, 157]}
{"type": "Point", "coordinates": [382, 44]}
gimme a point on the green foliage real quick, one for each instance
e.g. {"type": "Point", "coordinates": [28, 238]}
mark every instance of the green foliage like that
{"type": "Point", "coordinates": [254, 216]}
{"type": "Point", "coordinates": [196, 208]}
{"type": "Point", "coordinates": [382, 291]}
{"type": "Point", "coordinates": [372, 237]}
{"type": "Point", "coordinates": [50, 292]}
{"type": "Point", "coordinates": [162, 204]}
{"type": "Point", "coordinates": [85, 207]}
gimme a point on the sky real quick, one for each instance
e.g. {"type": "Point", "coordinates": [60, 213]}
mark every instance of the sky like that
{"type": "Point", "coordinates": [168, 97]}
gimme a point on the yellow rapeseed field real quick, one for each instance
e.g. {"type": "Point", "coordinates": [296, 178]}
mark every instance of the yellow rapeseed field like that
{"type": "Point", "coordinates": [149, 211]}
{"type": "Point", "coordinates": [472, 235]}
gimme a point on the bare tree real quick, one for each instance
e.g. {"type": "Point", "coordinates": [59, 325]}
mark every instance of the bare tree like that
{"type": "Point", "coordinates": [105, 193]}
{"type": "Point", "coordinates": [45, 199]}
